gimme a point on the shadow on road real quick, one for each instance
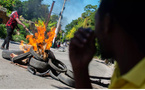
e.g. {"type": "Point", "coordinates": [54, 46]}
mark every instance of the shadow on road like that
{"type": "Point", "coordinates": [61, 87]}
{"type": "Point", "coordinates": [14, 42]}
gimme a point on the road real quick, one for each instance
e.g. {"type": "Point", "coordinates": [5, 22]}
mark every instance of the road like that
{"type": "Point", "coordinates": [15, 77]}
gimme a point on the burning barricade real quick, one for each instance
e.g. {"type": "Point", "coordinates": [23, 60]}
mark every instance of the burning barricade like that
{"type": "Point", "coordinates": [39, 59]}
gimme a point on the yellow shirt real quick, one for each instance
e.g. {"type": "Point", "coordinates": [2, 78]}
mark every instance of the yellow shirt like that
{"type": "Point", "coordinates": [134, 79]}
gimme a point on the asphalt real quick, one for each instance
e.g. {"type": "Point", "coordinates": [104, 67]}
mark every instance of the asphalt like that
{"type": "Point", "coordinates": [15, 77]}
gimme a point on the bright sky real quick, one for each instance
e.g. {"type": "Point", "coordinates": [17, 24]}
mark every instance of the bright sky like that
{"type": "Point", "coordinates": [73, 8]}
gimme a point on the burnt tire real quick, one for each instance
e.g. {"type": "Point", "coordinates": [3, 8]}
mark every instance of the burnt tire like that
{"type": "Point", "coordinates": [53, 73]}
{"type": "Point", "coordinates": [38, 57]}
{"type": "Point", "coordinates": [51, 55]}
{"type": "Point", "coordinates": [20, 57]}
{"type": "Point", "coordinates": [31, 69]}
{"type": "Point", "coordinates": [55, 64]}
{"type": "Point", "coordinates": [66, 80]}
{"type": "Point", "coordinates": [41, 66]}
{"type": "Point", "coordinates": [70, 74]}
{"type": "Point", "coordinates": [6, 53]}
{"type": "Point", "coordinates": [34, 71]}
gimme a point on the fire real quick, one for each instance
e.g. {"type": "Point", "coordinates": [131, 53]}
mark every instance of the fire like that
{"type": "Point", "coordinates": [50, 39]}
{"type": "Point", "coordinates": [39, 41]}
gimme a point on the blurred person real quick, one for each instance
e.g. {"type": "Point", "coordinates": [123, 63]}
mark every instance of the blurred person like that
{"type": "Point", "coordinates": [11, 25]}
{"type": "Point", "coordinates": [119, 30]}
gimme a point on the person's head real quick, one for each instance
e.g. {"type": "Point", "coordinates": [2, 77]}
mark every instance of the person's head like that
{"type": "Point", "coordinates": [115, 15]}
{"type": "Point", "coordinates": [19, 11]}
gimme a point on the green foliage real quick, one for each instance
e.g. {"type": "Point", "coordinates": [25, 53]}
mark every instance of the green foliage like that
{"type": "Point", "coordinates": [71, 33]}
{"type": "Point", "coordinates": [89, 9]}
{"type": "Point", "coordinates": [10, 4]}
{"type": "Point", "coordinates": [86, 21]}
{"type": "Point", "coordinates": [3, 31]}
{"type": "Point", "coordinates": [7, 4]}
{"type": "Point", "coordinates": [33, 9]}
{"type": "Point", "coordinates": [17, 38]}
{"type": "Point", "coordinates": [20, 37]}
{"type": "Point", "coordinates": [22, 30]}
{"type": "Point", "coordinates": [53, 21]}
{"type": "Point", "coordinates": [71, 25]}
{"type": "Point", "coordinates": [54, 18]}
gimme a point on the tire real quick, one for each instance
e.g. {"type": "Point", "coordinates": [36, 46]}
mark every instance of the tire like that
{"type": "Point", "coordinates": [50, 54]}
{"type": "Point", "coordinates": [38, 57]}
{"type": "Point", "coordinates": [34, 71]}
{"type": "Point", "coordinates": [6, 53]}
{"type": "Point", "coordinates": [20, 57]}
{"type": "Point", "coordinates": [43, 73]}
{"type": "Point", "coordinates": [55, 65]}
{"type": "Point", "coordinates": [31, 69]}
{"type": "Point", "coordinates": [54, 74]}
{"type": "Point", "coordinates": [41, 66]}
{"type": "Point", "coordinates": [66, 80]}
{"type": "Point", "coordinates": [70, 74]}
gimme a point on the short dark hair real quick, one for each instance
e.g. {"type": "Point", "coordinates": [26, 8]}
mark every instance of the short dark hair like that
{"type": "Point", "coordinates": [129, 14]}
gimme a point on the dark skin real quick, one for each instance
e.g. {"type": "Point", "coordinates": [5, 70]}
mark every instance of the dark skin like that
{"type": "Point", "coordinates": [116, 43]}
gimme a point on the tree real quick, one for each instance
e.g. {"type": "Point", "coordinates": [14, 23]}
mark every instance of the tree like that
{"type": "Point", "coordinates": [86, 21]}
{"type": "Point", "coordinates": [71, 25]}
{"type": "Point", "coordinates": [89, 9]}
{"type": "Point", "coordinates": [10, 4]}
{"type": "Point", "coordinates": [71, 33]}
{"type": "Point", "coordinates": [33, 9]}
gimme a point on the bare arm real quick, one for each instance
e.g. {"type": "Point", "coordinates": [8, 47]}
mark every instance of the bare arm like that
{"type": "Point", "coordinates": [82, 79]}
{"type": "Point", "coordinates": [19, 22]}
{"type": "Point", "coordinates": [81, 51]}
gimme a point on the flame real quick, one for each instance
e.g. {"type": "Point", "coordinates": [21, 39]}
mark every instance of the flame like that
{"type": "Point", "coordinates": [51, 35]}
{"type": "Point", "coordinates": [39, 39]}
{"type": "Point", "coordinates": [23, 47]}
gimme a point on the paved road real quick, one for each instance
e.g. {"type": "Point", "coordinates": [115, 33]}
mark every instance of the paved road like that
{"type": "Point", "coordinates": [15, 77]}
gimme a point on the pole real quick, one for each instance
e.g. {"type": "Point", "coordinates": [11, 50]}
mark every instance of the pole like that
{"type": "Point", "coordinates": [49, 14]}
{"type": "Point", "coordinates": [57, 28]}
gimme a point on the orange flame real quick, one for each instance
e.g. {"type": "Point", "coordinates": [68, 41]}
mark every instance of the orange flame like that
{"type": "Point", "coordinates": [23, 47]}
{"type": "Point", "coordinates": [51, 35]}
{"type": "Point", "coordinates": [40, 38]}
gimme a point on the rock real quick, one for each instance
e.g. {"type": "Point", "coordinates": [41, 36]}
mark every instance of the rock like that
{"type": "Point", "coordinates": [3, 16]}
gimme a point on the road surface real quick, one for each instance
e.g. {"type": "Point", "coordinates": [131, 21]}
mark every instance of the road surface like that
{"type": "Point", "coordinates": [15, 77]}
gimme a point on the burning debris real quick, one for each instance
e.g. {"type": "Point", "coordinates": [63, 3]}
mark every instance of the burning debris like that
{"type": "Point", "coordinates": [39, 42]}
{"type": "Point", "coordinates": [38, 57]}
{"type": "Point", "coordinates": [41, 61]}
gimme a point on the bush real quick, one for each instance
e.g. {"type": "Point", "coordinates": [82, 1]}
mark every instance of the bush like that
{"type": "Point", "coordinates": [3, 31]}
{"type": "Point", "coordinates": [22, 30]}
{"type": "Point", "coordinates": [19, 38]}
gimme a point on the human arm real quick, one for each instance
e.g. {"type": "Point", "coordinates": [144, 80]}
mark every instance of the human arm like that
{"type": "Point", "coordinates": [19, 22]}
{"type": "Point", "coordinates": [81, 51]}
